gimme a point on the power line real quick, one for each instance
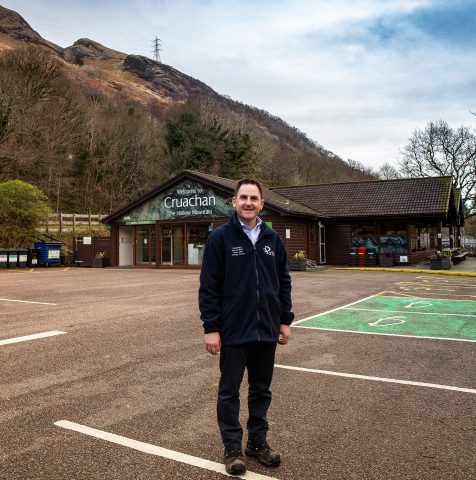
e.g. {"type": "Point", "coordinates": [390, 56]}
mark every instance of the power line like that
{"type": "Point", "coordinates": [67, 26]}
{"type": "Point", "coordinates": [156, 51]}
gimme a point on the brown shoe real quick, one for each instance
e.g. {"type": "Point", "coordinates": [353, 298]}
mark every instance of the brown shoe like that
{"type": "Point", "coordinates": [264, 454]}
{"type": "Point", "coordinates": [233, 460]}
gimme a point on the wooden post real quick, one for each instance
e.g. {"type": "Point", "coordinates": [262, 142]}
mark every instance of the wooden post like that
{"type": "Point", "coordinates": [60, 216]}
{"type": "Point", "coordinates": [74, 223]}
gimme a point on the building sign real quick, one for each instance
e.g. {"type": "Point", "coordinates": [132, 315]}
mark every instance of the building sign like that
{"type": "Point", "coordinates": [140, 222]}
{"type": "Point", "coordinates": [188, 199]}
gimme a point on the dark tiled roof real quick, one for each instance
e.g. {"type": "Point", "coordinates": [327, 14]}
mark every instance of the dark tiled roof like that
{"type": "Point", "coordinates": [382, 198]}
{"type": "Point", "coordinates": [272, 198]}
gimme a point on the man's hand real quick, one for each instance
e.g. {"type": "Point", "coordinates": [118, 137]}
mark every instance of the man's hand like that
{"type": "Point", "coordinates": [213, 342]}
{"type": "Point", "coordinates": [284, 334]}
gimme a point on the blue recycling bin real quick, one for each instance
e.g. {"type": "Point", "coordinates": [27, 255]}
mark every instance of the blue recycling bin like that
{"type": "Point", "coordinates": [49, 253]}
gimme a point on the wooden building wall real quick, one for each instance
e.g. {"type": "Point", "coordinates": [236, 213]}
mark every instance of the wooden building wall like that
{"type": "Point", "coordinates": [114, 249]}
{"type": "Point", "coordinates": [299, 240]}
{"type": "Point", "coordinates": [338, 243]}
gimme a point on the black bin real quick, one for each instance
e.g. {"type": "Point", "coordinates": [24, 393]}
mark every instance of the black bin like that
{"type": "Point", "coordinates": [33, 257]}
{"type": "Point", "coordinates": [3, 257]}
{"type": "Point", "coordinates": [12, 258]}
{"type": "Point", "coordinates": [22, 257]}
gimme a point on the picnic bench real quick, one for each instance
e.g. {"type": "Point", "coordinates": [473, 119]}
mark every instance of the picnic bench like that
{"type": "Point", "coordinates": [459, 257]}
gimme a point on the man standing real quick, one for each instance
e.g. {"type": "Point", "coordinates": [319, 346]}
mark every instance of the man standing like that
{"type": "Point", "coordinates": [245, 305]}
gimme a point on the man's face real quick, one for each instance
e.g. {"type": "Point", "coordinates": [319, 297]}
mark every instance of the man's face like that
{"type": "Point", "coordinates": [248, 203]}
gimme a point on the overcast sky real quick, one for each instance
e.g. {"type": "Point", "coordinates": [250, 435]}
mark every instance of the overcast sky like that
{"type": "Point", "coordinates": [357, 76]}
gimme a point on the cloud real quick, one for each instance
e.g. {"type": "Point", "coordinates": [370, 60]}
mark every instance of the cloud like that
{"type": "Point", "coordinates": [357, 76]}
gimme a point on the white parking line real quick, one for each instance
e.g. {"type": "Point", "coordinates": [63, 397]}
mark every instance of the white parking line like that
{"type": "Point", "coordinates": [419, 337]}
{"type": "Point", "coordinates": [25, 301]}
{"type": "Point", "coordinates": [334, 309]}
{"type": "Point", "coordinates": [379, 379]}
{"type": "Point", "coordinates": [155, 450]}
{"type": "Point", "coordinates": [35, 336]}
{"type": "Point", "coordinates": [409, 312]}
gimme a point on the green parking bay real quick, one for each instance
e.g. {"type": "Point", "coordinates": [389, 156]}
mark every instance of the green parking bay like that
{"type": "Point", "coordinates": [388, 315]}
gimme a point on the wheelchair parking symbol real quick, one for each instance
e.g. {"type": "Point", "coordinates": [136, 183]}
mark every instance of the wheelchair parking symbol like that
{"type": "Point", "coordinates": [388, 321]}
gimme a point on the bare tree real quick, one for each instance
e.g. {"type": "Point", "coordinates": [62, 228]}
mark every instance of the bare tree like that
{"type": "Point", "coordinates": [440, 150]}
{"type": "Point", "coordinates": [360, 169]}
{"type": "Point", "coordinates": [388, 172]}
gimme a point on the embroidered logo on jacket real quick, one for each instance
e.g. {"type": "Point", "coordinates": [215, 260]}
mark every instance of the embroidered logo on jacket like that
{"type": "Point", "coordinates": [237, 251]}
{"type": "Point", "coordinates": [268, 250]}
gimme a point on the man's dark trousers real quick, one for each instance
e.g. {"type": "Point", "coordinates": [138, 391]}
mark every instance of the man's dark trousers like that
{"type": "Point", "coordinates": [258, 359]}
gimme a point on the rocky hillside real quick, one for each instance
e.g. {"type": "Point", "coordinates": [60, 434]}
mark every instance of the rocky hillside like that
{"type": "Point", "coordinates": [14, 31]}
{"type": "Point", "coordinates": [187, 124]}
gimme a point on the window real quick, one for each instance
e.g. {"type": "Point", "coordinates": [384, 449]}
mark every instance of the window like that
{"type": "Point", "coordinates": [369, 242]}
{"type": "Point", "coordinates": [196, 237]}
{"type": "Point", "coordinates": [393, 245]}
{"type": "Point", "coordinates": [183, 244]}
{"type": "Point", "coordinates": [394, 229]}
{"type": "Point", "coordinates": [422, 238]}
{"type": "Point", "coordinates": [364, 229]}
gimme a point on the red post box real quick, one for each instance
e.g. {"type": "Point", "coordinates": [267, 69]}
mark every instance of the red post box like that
{"type": "Point", "coordinates": [361, 254]}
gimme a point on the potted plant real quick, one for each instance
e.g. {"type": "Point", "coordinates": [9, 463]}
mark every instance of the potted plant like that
{"type": "Point", "coordinates": [441, 260]}
{"type": "Point", "coordinates": [101, 260]}
{"type": "Point", "coordinates": [299, 261]}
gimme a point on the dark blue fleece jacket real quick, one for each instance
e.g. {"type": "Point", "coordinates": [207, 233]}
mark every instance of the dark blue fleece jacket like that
{"type": "Point", "coordinates": [245, 290]}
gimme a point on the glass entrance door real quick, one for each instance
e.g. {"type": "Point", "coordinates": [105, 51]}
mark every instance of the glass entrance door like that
{"type": "Point", "coordinates": [322, 242]}
{"type": "Point", "coordinates": [183, 244]}
{"type": "Point", "coordinates": [178, 244]}
{"type": "Point", "coordinates": [145, 245]}
{"type": "Point", "coordinates": [166, 244]}
{"type": "Point", "coordinates": [172, 239]}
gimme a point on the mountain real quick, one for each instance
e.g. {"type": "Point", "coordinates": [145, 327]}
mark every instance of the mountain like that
{"type": "Point", "coordinates": [187, 123]}
{"type": "Point", "coordinates": [14, 30]}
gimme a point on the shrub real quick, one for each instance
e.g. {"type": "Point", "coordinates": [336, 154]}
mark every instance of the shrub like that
{"type": "Point", "coordinates": [22, 208]}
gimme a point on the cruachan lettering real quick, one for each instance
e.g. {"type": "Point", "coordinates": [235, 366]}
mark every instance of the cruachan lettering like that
{"type": "Point", "coordinates": [194, 201]}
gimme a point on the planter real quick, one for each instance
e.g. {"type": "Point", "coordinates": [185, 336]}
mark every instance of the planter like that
{"type": "Point", "coordinates": [385, 261]}
{"type": "Point", "coordinates": [443, 263]}
{"type": "Point", "coordinates": [100, 262]}
{"type": "Point", "coordinates": [297, 264]}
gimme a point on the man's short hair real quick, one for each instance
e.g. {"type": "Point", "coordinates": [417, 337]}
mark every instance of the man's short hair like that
{"type": "Point", "coordinates": [248, 181]}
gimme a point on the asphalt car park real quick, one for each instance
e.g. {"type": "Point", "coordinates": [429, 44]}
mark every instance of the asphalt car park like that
{"type": "Point", "coordinates": [105, 376]}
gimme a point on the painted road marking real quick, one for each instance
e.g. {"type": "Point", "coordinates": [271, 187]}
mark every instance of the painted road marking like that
{"type": "Point", "coordinates": [25, 301]}
{"type": "Point", "coordinates": [410, 313]}
{"type": "Point", "coordinates": [441, 319]}
{"type": "Point", "coordinates": [387, 321]}
{"type": "Point", "coordinates": [379, 379]}
{"type": "Point", "coordinates": [26, 338]}
{"type": "Point", "coordinates": [155, 450]}
{"type": "Point", "coordinates": [419, 290]}
{"type": "Point", "coordinates": [419, 304]}
{"type": "Point", "coordinates": [436, 284]}
{"type": "Point", "coordinates": [333, 310]}
{"type": "Point", "coordinates": [446, 280]}
{"type": "Point", "coordinates": [420, 295]}
{"type": "Point", "coordinates": [420, 337]}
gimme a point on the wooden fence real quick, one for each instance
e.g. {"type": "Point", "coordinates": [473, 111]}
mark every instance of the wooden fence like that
{"type": "Point", "coordinates": [69, 222]}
